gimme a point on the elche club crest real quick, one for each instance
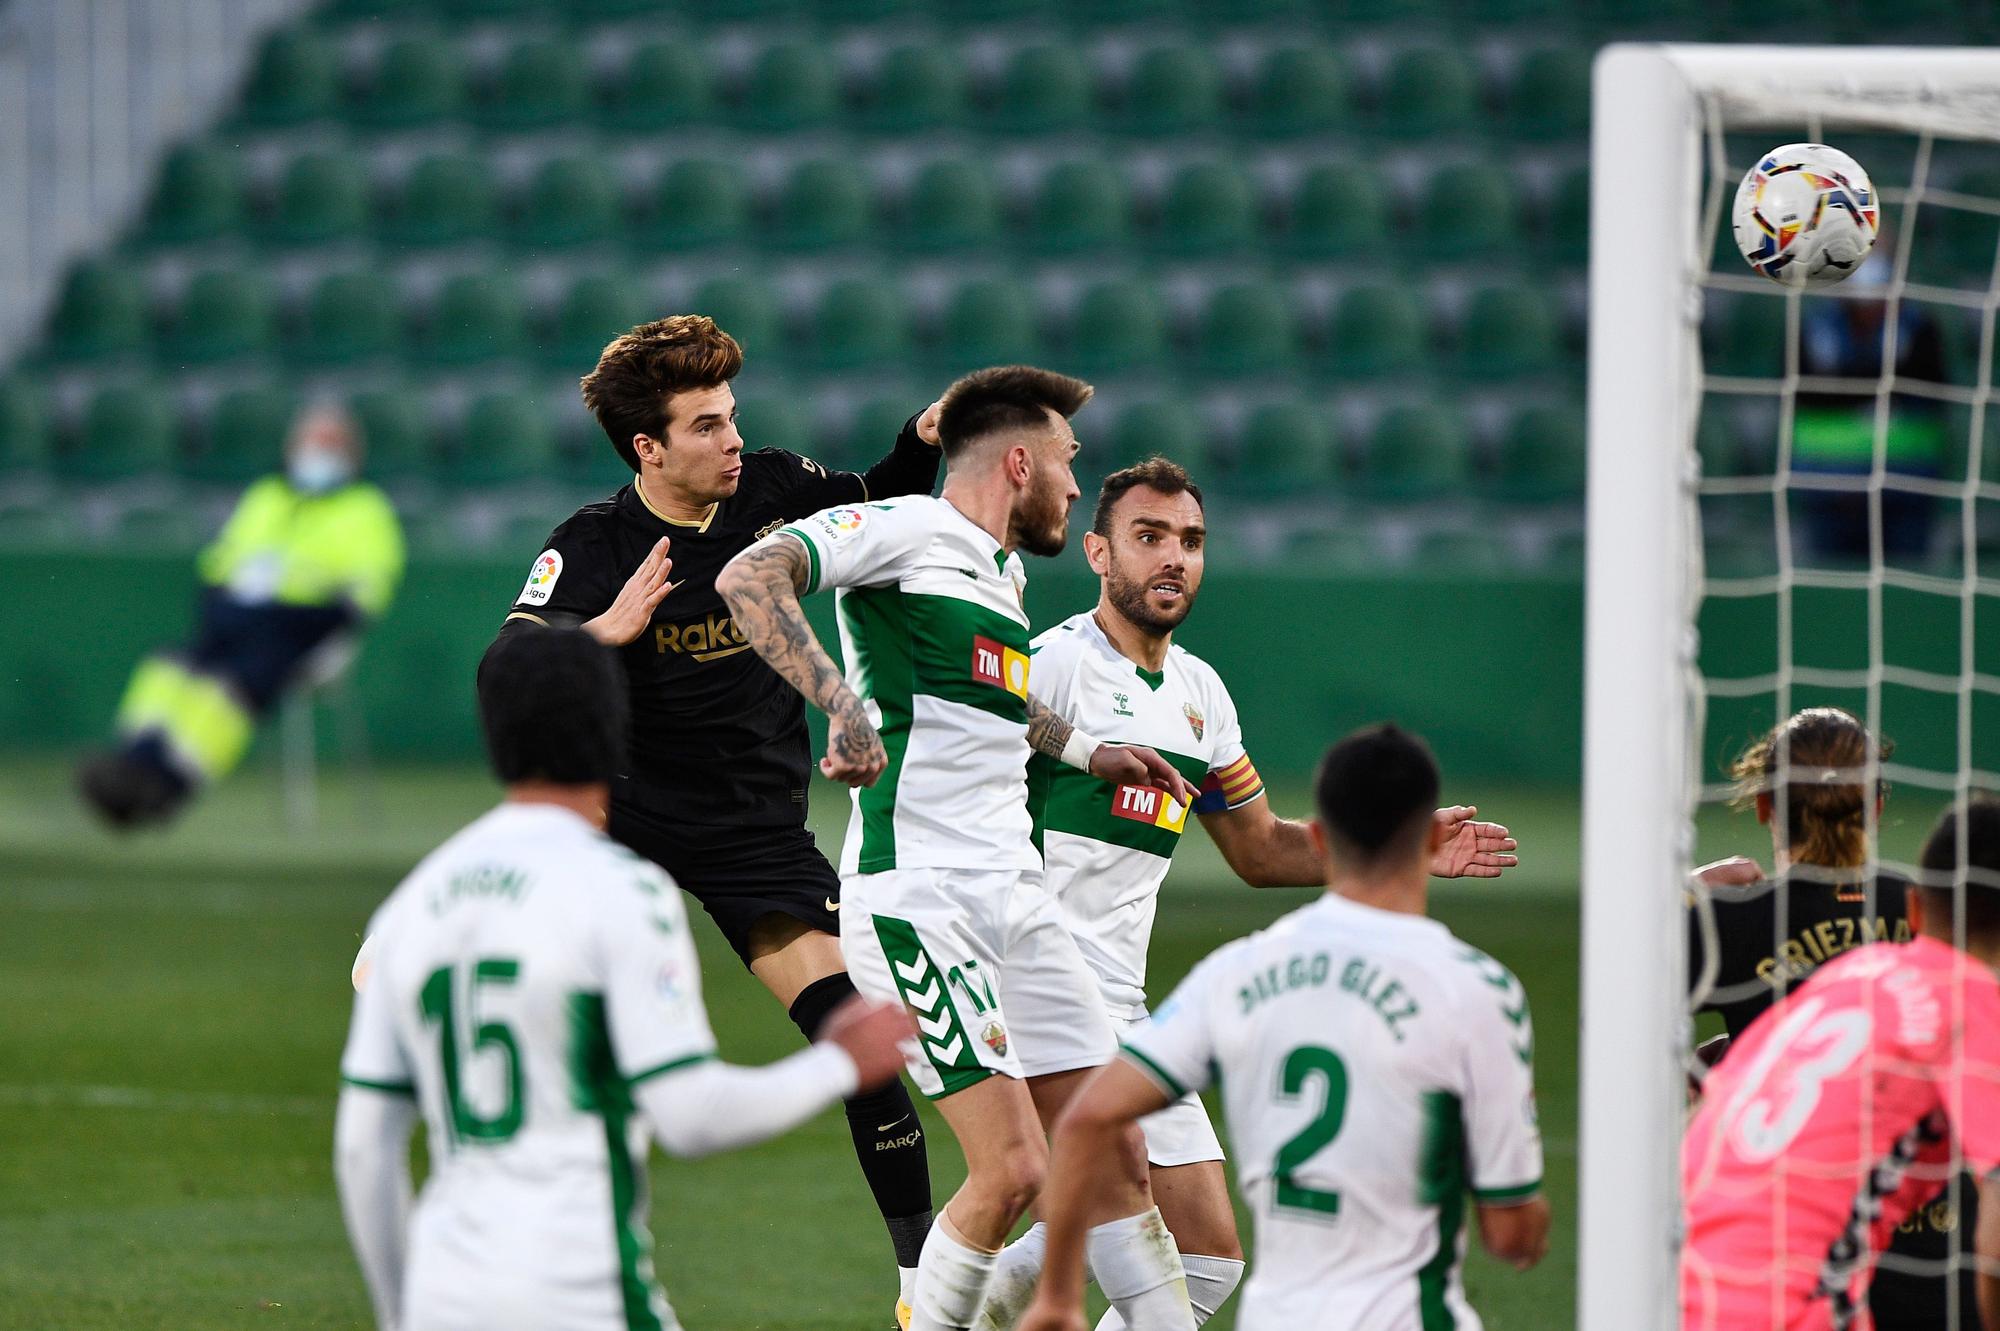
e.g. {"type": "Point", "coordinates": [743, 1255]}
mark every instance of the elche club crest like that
{"type": "Point", "coordinates": [995, 1036]}
{"type": "Point", "coordinates": [1196, 722]}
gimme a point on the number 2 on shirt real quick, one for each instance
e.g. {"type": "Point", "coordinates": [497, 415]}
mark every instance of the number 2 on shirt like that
{"type": "Point", "coordinates": [1307, 1063]}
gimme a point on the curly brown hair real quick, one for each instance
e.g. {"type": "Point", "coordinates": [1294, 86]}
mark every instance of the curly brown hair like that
{"type": "Point", "coordinates": [640, 371]}
{"type": "Point", "coordinates": [1825, 806]}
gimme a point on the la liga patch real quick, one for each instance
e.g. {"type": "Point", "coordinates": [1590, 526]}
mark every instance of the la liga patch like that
{"type": "Point", "coordinates": [542, 577]}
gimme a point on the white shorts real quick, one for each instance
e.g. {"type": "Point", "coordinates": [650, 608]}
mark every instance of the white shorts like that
{"type": "Point", "coordinates": [984, 964]}
{"type": "Point", "coordinates": [1180, 1134]}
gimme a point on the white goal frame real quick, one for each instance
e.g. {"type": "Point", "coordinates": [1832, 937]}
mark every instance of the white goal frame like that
{"type": "Point", "coordinates": [1649, 108]}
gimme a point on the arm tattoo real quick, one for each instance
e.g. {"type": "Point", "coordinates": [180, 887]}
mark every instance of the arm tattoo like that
{"type": "Point", "coordinates": [761, 587]}
{"type": "Point", "coordinates": [1047, 732]}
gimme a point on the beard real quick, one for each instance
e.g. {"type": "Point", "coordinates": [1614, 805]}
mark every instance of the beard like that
{"type": "Point", "coordinates": [1128, 598]}
{"type": "Point", "coordinates": [1041, 521]}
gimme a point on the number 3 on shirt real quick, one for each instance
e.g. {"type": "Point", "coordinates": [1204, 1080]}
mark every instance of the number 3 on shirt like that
{"type": "Point", "coordinates": [1762, 1121]}
{"type": "Point", "coordinates": [438, 1004]}
{"type": "Point", "coordinates": [1304, 1064]}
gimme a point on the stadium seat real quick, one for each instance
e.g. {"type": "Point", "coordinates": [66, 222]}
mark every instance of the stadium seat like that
{"type": "Point", "coordinates": [417, 81]}
{"type": "Point", "coordinates": [1463, 552]}
{"type": "Point", "coordinates": [1969, 240]}
{"type": "Point", "coordinates": [1541, 457]}
{"type": "Point", "coordinates": [224, 314]}
{"type": "Point", "coordinates": [1249, 11]}
{"type": "Point", "coordinates": [1468, 211]}
{"type": "Point", "coordinates": [1045, 89]}
{"type": "Point", "coordinates": [101, 314]}
{"type": "Point", "coordinates": [572, 201]}
{"type": "Point", "coordinates": [395, 433]}
{"type": "Point", "coordinates": [296, 79]}
{"type": "Point", "coordinates": [1416, 15]}
{"type": "Point", "coordinates": [1566, 222]}
{"type": "Point", "coordinates": [475, 318]}
{"type": "Point", "coordinates": [824, 205]}
{"type": "Point", "coordinates": [1550, 95]}
{"type": "Point", "coordinates": [350, 317]}
{"type": "Point", "coordinates": [1743, 334]}
{"type": "Point", "coordinates": [1509, 332]}
{"type": "Point", "coordinates": [869, 432]}
{"type": "Point", "coordinates": [1377, 332]}
{"type": "Point", "coordinates": [1247, 328]}
{"type": "Point", "coordinates": [445, 200]}
{"type": "Point", "coordinates": [1079, 207]}
{"type": "Point", "coordinates": [793, 85]}
{"type": "Point", "coordinates": [1087, 14]}
{"type": "Point", "coordinates": [1286, 448]}
{"type": "Point", "coordinates": [1336, 211]}
{"type": "Point", "coordinates": [1171, 90]}
{"type": "Point", "coordinates": [917, 87]}
{"type": "Point", "coordinates": [322, 197]}
{"type": "Point", "coordinates": [1209, 208]}
{"type": "Point", "coordinates": [748, 311]}
{"type": "Point", "coordinates": [128, 430]}
{"type": "Point", "coordinates": [1117, 327]}
{"type": "Point", "coordinates": [26, 438]}
{"type": "Point", "coordinates": [775, 422]}
{"type": "Point", "coordinates": [505, 437]}
{"type": "Point", "coordinates": [860, 324]}
{"type": "Point", "coordinates": [1301, 90]}
{"type": "Point", "coordinates": [987, 322]}
{"type": "Point", "coordinates": [1169, 428]}
{"type": "Point", "coordinates": [1516, 13]}
{"type": "Point", "coordinates": [697, 203]}
{"type": "Point", "coordinates": [1427, 91]}
{"type": "Point", "coordinates": [246, 436]}
{"type": "Point", "coordinates": [596, 309]}
{"type": "Point", "coordinates": [952, 205]}
{"type": "Point", "coordinates": [1415, 452]}
{"type": "Point", "coordinates": [664, 85]}
{"type": "Point", "coordinates": [199, 196]}
{"type": "Point", "coordinates": [542, 82]}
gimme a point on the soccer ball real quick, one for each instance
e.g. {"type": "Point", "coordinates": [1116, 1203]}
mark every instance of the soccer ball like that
{"type": "Point", "coordinates": [1805, 215]}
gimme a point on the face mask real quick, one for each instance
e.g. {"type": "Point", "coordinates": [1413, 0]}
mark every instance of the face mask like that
{"type": "Point", "coordinates": [317, 471]}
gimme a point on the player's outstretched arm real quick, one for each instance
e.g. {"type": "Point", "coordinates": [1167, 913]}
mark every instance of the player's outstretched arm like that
{"type": "Point", "coordinates": [1472, 849]}
{"type": "Point", "coordinates": [1052, 734]}
{"type": "Point", "coordinates": [371, 1165]}
{"type": "Point", "coordinates": [761, 586]}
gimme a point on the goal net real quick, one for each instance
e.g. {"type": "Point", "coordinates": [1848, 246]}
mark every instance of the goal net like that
{"type": "Point", "coordinates": [1794, 502]}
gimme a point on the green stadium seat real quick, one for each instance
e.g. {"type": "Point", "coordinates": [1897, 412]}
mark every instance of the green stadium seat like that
{"type": "Point", "coordinates": [918, 87]}
{"type": "Point", "coordinates": [860, 324]}
{"type": "Point", "coordinates": [128, 430]}
{"type": "Point", "coordinates": [1045, 89]}
{"type": "Point", "coordinates": [793, 85]}
{"type": "Point", "coordinates": [824, 205]}
{"type": "Point", "coordinates": [1743, 334]}
{"type": "Point", "coordinates": [1348, 548]}
{"type": "Point", "coordinates": [1467, 552]}
{"type": "Point", "coordinates": [596, 309]}
{"type": "Point", "coordinates": [199, 196]}
{"type": "Point", "coordinates": [1087, 14]}
{"type": "Point", "coordinates": [1516, 13]}
{"type": "Point", "coordinates": [224, 314]}
{"type": "Point", "coordinates": [505, 437]}
{"type": "Point", "coordinates": [26, 436]}
{"type": "Point", "coordinates": [418, 80]}
{"type": "Point", "coordinates": [1377, 331]}
{"type": "Point", "coordinates": [988, 322]}
{"type": "Point", "coordinates": [1542, 457]}
{"type": "Point", "coordinates": [1417, 15]}
{"type": "Point", "coordinates": [1509, 332]}
{"type": "Point", "coordinates": [351, 317]}
{"type": "Point", "coordinates": [1247, 328]}
{"type": "Point", "coordinates": [664, 85]}
{"type": "Point", "coordinates": [697, 203]}
{"type": "Point", "coordinates": [1248, 11]}
{"type": "Point", "coordinates": [1415, 452]}
{"type": "Point", "coordinates": [1118, 327]}
{"type": "Point", "coordinates": [1171, 90]}
{"type": "Point", "coordinates": [158, 524]}
{"type": "Point", "coordinates": [839, 12]}
{"type": "Point", "coordinates": [1338, 210]}
{"type": "Point", "coordinates": [296, 79]}
{"type": "Point", "coordinates": [869, 432]}
{"type": "Point", "coordinates": [1468, 211]}
{"type": "Point", "coordinates": [1566, 223]}
{"type": "Point", "coordinates": [983, 13]}
{"type": "Point", "coordinates": [396, 434]}
{"type": "Point", "coordinates": [101, 314]}
{"type": "Point", "coordinates": [542, 82]}
{"type": "Point", "coordinates": [747, 310]}
{"type": "Point", "coordinates": [475, 318]}
{"type": "Point", "coordinates": [775, 422]}
{"type": "Point", "coordinates": [322, 197]}
{"type": "Point", "coordinates": [1301, 90]}
{"type": "Point", "coordinates": [1080, 207]}
{"type": "Point", "coordinates": [571, 202]}
{"type": "Point", "coordinates": [1428, 91]}
{"type": "Point", "coordinates": [246, 436]}
{"type": "Point", "coordinates": [1550, 95]}
{"type": "Point", "coordinates": [952, 205]}
{"type": "Point", "coordinates": [1285, 448]}
{"type": "Point", "coordinates": [445, 200]}
{"type": "Point", "coordinates": [1969, 240]}
{"type": "Point", "coordinates": [1209, 208]}
{"type": "Point", "coordinates": [1168, 428]}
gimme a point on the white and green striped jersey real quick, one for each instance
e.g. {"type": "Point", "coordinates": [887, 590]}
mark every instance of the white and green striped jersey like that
{"type": "Point", "coordinates": [1107, 847]}
{"type": "Point", "coordinates": [1375, 1071]}
{"type": "Point", "coordinates": [936, 646]}
{"type": "Point", "coordinates": [519, 982]}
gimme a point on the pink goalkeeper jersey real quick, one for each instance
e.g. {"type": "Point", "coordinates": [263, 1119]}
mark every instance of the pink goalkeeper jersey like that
{"type": "Point", "coordinates": [1795, 1174]}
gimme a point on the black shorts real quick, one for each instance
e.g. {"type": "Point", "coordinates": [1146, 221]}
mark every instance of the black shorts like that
{"type": "Point", "coordinates": [738, 874]}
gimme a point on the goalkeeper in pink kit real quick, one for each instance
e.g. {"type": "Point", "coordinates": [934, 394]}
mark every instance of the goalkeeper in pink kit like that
{"type": "Point", "coordinates": [1842, 1109]}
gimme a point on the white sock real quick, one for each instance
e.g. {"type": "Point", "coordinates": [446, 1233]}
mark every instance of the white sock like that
{"type": "Point", "coordinates": [906, 1277]}
{"type": "Point", "coordinates": [1210, 1282]}
{"type": "Point", "coordinates": [951, 1282]}
{"type": "Point", "coordinates": [1139, 1270]}
{"type": "Point", "coordinates": [1012, 1288]}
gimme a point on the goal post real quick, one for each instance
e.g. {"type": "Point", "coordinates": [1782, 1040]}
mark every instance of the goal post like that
{"type": "Point", "coordinates": [1656, 199]}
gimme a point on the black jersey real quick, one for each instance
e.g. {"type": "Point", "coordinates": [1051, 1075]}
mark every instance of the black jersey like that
{"type": "Point", "coordinates": [716, 737]}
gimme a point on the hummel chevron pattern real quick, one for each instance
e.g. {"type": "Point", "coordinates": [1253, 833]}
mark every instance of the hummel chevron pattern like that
{"type": "Point", "coordinates": [922, 984]}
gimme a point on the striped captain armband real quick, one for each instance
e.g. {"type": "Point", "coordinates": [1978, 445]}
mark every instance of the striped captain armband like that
{"type": "Point", "coordinates": [1229, 787]}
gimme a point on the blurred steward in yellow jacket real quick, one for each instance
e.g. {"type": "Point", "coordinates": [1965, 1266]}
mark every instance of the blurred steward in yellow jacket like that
{"type": "Point", "coordinates": [308, 558]}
